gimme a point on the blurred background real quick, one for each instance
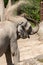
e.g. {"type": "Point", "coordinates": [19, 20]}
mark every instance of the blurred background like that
{"type": "Point", "coordinates": [32, 9]}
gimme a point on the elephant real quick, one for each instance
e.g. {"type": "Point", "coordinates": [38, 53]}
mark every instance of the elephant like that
{"type": "Point", "coordinates": [8, 41]}
{"type": "Point", "coordinates": [10, 31]}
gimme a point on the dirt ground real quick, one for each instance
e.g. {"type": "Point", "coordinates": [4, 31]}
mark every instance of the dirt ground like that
{"type": "Point", "coordinates": [29, 48]}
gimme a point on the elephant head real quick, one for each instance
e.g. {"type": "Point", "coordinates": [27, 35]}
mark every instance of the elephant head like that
{"type": "Point", "coordinates": [32, 30]}
{"type": "Point", "coordinates": [25, 29]}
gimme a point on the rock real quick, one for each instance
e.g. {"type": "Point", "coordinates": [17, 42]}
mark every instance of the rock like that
{"type": "Point", "coordinates": [40, 32]}
{"type": "Point", "coordinates": [39, 58]}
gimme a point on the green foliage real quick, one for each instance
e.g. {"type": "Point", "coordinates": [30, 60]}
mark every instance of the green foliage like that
{"type": "Point", "coordinates": [32, 9]}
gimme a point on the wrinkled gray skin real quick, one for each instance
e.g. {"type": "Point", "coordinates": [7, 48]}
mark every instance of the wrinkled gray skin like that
{"type": "Point", "coordinates": [9, 33]}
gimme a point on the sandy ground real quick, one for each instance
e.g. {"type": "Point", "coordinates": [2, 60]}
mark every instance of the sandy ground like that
{"type": "Point", "coordinates": [29, 48]}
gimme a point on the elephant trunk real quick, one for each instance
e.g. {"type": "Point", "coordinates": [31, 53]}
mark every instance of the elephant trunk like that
{"type": "Point", "coordinates": [35, 30]}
